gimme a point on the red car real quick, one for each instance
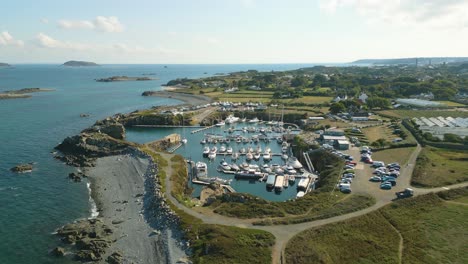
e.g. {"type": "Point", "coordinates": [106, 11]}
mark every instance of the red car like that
{"type": "Point", "coordinates": [351, 162]}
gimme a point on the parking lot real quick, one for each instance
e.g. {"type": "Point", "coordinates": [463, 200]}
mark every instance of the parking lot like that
{"type": "Point", "coordinates": [363, 171]}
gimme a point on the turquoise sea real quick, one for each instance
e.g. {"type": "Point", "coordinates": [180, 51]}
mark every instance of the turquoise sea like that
{"type": "Point", "coordinates": [33, 205]}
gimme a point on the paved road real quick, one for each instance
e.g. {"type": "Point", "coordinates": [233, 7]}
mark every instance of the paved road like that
{"type": "Point", "coordinates": [283, 233]}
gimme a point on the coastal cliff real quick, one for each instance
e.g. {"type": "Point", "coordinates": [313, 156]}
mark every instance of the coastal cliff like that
{"type": "Point", "coordinates": [80, 64]}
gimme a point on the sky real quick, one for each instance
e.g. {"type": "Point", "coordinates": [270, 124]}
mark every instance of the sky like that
{"type": "Point", "coordinates": [230, 31]}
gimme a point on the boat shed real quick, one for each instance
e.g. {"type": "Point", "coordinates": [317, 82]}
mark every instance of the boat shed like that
{"type": "Point", "coordinates": [330, 140]}
{"type": "Point", "coordinates": [342, 144]}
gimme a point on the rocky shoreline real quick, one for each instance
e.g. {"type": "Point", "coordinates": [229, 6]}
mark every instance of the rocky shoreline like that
{"type": "Point", "coordinates": [21, 93]}
{"type": "Point", "coordinates": [135, 224]}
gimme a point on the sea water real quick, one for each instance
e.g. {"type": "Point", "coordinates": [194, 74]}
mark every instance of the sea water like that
{"type": "Point", "coordinates": [33, 205]}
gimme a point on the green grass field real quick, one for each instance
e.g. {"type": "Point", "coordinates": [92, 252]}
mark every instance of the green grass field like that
{"type": "Point", "coordinates": [433, 231]}
{"type": "Point", "coordinates": [438, 167]}
{"type": "Point", "coordinates": [451, 104]}
{"type": "Point", "coordinates": [400, 155]}
{"type": "Point", "coordinates": [423, 113]}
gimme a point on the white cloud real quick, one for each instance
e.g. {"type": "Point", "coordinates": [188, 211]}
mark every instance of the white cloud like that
{"type": "Point", "coordinates": [46, 41]}
{"type": "Point", "coordinates": [104, 24]}
{"type": "Point", "coordinates": [6, 39]}
{"type": "Point", "coordinates": [432, 14]}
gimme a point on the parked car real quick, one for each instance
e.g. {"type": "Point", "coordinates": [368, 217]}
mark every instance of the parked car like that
{"type": "Point", "coordinates": [349, 175]}
{"type": "Point", "coordinates": [351, 163]}
{"type": "Point", "coordinates": [386, 186]}
{"type": "Point", "coordinates": [375, 179]}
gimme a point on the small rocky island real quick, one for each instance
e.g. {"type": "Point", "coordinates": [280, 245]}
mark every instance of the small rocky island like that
{"type": "Point", "coordinates": [124, 78]}
{"type": "Point", "coordinates": [21, 93]}
{"type": "Point", "coordinates": [80, 64]}
{"type": "Point", "coordinates": [2, 64]}
{"type": "Point", "coordinates": [21, 168]}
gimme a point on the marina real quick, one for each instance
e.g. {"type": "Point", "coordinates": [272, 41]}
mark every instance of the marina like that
{"type": "Point", "coordinates": [251, 157]}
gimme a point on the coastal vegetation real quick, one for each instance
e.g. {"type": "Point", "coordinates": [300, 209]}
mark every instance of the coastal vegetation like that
{"type": "Point", "coordinates": [432, 230]}
{"type": "Point", "coordinates": [437, 167]}
{"type": "Point", "coordinates": [400, 155]}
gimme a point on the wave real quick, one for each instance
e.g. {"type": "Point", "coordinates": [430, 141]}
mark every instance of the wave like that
{"type": "Point", "coordinates": [94, 210]}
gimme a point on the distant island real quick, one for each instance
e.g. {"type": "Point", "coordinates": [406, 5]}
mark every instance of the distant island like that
{"type": "Point", "coordinates": [2, 64]}
{"type": "Point", "coordinates": [124, 78]}
{"type": "Point", "coordinates": [21, 93]}
{"type": "Point", "coordinates": [79, 64]}
{"type": "Point", "coordinates": [412, 61]}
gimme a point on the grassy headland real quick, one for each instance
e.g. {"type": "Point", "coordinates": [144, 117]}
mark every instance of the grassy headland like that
{"type": "Point", "coordinates": [433, 231]}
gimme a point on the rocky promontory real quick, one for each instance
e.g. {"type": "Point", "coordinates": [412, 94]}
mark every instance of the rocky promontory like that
{"type": "Point", "coordinates": [79, 64]}
{"type": "Point", "coordinates": [104, 138]}
{"type": "Point", "coordinates": [124, 79]}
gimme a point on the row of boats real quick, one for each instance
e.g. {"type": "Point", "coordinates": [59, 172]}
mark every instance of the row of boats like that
{"type": "Point", "coordinates": [215, 139]}
{"type": "Point", "coordinates": [249, 152]}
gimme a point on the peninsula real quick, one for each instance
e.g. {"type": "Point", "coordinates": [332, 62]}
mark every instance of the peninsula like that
{"type": "Point", "coordinates": [80, 64]}
{"type": "Point", "coordinates": [124, 79]}
{"type": "Point", "coordinates": [21, 93]}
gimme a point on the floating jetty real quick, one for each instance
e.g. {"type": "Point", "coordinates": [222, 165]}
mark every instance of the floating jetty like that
{"type": "Point", "coordinates": [201, 129]}
{"type": "Point", "coordinates": [279, 183]}
{"type": "Point", "coordinates": [174, 148]}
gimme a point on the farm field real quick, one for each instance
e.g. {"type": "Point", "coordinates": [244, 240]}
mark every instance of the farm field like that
{"type": "Point", "coordinates": [438, 167]}
{"type": "Point", "coordinates": [424, 113]}
{"type": "Point", "coordinates": [433, 231]}
{"type": "Point", "coordinates": [376, 132]}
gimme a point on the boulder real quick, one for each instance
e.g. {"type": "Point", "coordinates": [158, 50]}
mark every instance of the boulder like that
{"type": "Point", "coordinates": [74, 177]}
{"type": "Point", "coordinates": [87, 256]}
{"type": "Point", "coordinates": [58, 252]}
{"type": "Point", "coordinates": [115, 258]}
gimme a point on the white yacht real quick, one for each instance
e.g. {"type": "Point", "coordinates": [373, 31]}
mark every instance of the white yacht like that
{"type": "Point", "coordinates": [225, 166]}
{"type": "Point", "coordinates": [249, 156]}
{"type": "Point", "coordinates": [184, 141]}
{"type": "Point", "coordinates": [231, 119]}
{"type": "Point", "coordinates": [222, 149]}
{"type": "Point", "coordinates": [293, 162]}
{"type": "Point", "coordinates": [202, 169]}
{"type": "Point", "coordinates": [256, 156]}
{"type": "Point", "coordinates": [229, 150]}
{"type": "Point", "coordinates": [220, 124]}
{"type": "Point", "coordinates": [206, 151]}
{"type": "Point", "coordinates": [255, 120]}
{"type": "Point", "coordinates": [266, 156]}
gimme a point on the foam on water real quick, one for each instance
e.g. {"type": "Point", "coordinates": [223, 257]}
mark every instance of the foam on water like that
{"type": "Point", "coordinates": [93, 209]}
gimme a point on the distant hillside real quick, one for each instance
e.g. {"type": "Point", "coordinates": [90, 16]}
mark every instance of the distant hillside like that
{"type": "Point", "coordinates": [420, 61]}
{"type": "Point", "coordinates": [4, 64]}
{"type": "Point", "coordinates": [79, 64]}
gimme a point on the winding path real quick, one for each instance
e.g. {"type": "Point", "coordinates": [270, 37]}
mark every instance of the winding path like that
{"type": "Point", "coordinates": [283, 233]}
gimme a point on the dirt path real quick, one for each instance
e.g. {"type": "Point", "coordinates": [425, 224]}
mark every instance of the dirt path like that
{"type": "Point", "coordinates": [283, 233]}
{"type": "Point", "coordinates": [400, 245]}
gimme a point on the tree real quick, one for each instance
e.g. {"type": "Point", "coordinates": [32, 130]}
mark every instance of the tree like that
{"type": "Point", "coordinates": [319, 79]}
{"type": "Point", "coordinates": [452, 138]}
{"type": "Point", "coordinates": [338, 107]}
{"type": "Point", "coordinates": [299, 81]}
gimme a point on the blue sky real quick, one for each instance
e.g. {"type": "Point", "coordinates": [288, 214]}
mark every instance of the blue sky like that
{"type": "Point", "coordinates": [230, 31]}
